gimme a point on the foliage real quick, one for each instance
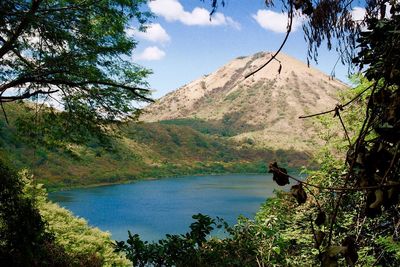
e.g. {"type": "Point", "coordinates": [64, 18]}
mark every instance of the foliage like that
{"type": "Point", "coordinates": [362, 203]}
{"type": "Point", "coordinates": [196, 248]}
{"type": "Point", "coordinates": [82, 245]}
{"type": "Point", "coordinates": [24, 241]}
{"type": "Point", "coordinates": [227, 127]}
{"type": "Point", "coordinates": [47, 128]}
{"type": "Point", "coordinates": [74, 55]}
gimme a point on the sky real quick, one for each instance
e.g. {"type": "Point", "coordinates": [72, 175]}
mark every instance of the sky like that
{"type": "Point", "coordinates": [182, 44]}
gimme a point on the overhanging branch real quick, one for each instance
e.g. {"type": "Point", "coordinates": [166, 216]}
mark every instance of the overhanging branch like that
{"type": "Point", "coordinates": [289, 29]}
{"type": "Point", "coordinates": [40, 80]}
{"type": "Point", "coordinates": [340, 107]}
{"type": "Point", "coordinates": [26, 95]}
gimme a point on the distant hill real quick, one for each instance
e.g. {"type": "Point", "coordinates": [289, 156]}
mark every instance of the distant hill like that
{"type": "Point", "coordinates": [141, 150]}
{"type": "Point", "coordinates": [262, 109]}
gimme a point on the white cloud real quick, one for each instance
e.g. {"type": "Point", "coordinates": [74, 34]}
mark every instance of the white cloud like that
{"type": "Point", "coordinates": [154, 33]}
{"type": "Point", "coordinates": [172, 10]}
{"type": "Point", "coordinates": [358, 13]}
{"type": "Point", "coordinates": [150, 54]}
{"type": "Point", "coordinates": [276, 22]}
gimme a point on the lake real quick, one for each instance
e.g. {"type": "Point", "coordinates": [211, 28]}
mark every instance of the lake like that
{"type": "Point", "coordinates": [153, 208]}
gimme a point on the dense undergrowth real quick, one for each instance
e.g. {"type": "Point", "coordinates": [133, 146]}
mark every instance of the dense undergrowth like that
{"type": "Point", "coordinates": [37, 232]}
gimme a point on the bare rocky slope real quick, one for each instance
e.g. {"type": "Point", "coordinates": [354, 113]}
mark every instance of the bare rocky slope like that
{"type": "Point", "coordinates": [263, 109]}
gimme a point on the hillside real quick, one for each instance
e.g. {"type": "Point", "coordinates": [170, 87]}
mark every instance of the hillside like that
{"type": "Point", "coordinates": [139, 151]}
{"type": "Point", "coordinates": [218, 123]}
{"type": "Point", "coordinates": [262, 109]}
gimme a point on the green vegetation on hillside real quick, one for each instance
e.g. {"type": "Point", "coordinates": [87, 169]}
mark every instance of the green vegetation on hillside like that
{"type": "Point", "coordinates": [144, 150]}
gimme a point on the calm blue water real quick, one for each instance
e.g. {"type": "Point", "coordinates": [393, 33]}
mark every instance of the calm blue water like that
{"type": "Point", "coordinates": [153, 208]}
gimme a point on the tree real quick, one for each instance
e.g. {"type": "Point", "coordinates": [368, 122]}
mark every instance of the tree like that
{"type": "Point", "coordinates": [75, 53]}
{"type": "Point", "coordinates": [24, 241]}
{"type": "Point", "coordinates": [370, 178]}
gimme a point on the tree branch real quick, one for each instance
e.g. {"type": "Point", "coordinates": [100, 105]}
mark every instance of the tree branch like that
{"type": "Point", "coordinates": [8, 45]}
{"type": "Point", "coordinates": [29, 64]}
{"type": "Point", "coordinates": [107, 83]}
{"type": "Point", "coordinates": [337, 106]}
{"type": "Point", "coordinates": [40, 80]}
{"type": "Point", "coordinates": [289, 29]}
{"type": "Point", "coordinates": [336, 189]}
{"type": "Point", "coordinates": [4, 112]}
{"type": "Point", "coordinates": [25, 95]}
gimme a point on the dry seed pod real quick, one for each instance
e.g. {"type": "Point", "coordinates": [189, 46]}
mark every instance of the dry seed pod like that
{"type": "Point", "coordinates": [299, 193]}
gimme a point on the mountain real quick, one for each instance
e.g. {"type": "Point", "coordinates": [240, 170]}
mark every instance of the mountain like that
{"type": "Point", "coordinates": [218, 123]}
{"type": "Point", "coordinates": [262, 109]}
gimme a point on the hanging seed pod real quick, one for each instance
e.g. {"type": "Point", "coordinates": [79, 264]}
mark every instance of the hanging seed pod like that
{"type": "Point", "coordinates": [279, 174]}
{"type": "Point", "coordinates": [321, 218]}
{"type": "Point", "coordinates": [350, 254]}
{"type": "Point", "coordinates": [378, 199]}
{"type": "Point", "coordinates": [319, 237]}
{"type": "Point", "coordinates": [299, 193]}
{"type": "Point", "coordinates": [375, 210]}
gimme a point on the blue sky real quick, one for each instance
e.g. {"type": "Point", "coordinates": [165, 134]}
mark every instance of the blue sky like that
{"type": "Point", "coordinates": [181, 43]}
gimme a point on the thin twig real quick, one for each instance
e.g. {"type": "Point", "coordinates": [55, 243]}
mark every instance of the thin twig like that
{"type": "Point", "coordinates": [337, 189]}
{"type": "Point", "coordinates": [337, 113]}
{"type": "Point", "coordinates": [334, 109]}
{"type": "Point", "coordinates": [361, 137]}
{"type": "Point", "coordinates": [378, 258]}
{"type": "Point", "coordinates": [361, 226]}
{"type": "Point", "coordinates": [316, 241]}
{"type": "Point", "coordinates": [4, 112]}
{"type": "Point", "coordinates": [289, 29]}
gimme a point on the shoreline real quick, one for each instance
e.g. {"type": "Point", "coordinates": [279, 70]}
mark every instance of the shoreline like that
{"type": "Point", "coordinates": [53, 189]}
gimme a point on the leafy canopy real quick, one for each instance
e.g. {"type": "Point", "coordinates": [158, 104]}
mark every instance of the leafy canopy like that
{"type": "Point", "coordinates": [73, 52]}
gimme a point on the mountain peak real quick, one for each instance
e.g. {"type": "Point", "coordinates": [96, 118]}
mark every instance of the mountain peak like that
{"type": "Point", "coordinates": [265, 106]}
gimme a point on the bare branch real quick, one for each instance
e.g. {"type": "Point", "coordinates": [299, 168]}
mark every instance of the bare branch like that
{"type": "Point", "coordinates": [25, 95]}
{"type": "Point", "coordinates": [41, 80]}
{"type": "Point", "coordinates": [337, 106]}
{"type": "Point", "coordinates": [289, 29]}
{"type": "Point", "coordinates": [337, 113]}
{"type": "Point", "coordinates": [337, 189]}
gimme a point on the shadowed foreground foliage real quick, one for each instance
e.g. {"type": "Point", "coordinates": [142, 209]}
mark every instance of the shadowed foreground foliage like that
{"type": "Point", "coordinates": [36, 232]}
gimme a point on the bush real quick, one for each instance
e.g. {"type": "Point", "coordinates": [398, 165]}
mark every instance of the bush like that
{"type": "Point", "coordinates": [23, 239]}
